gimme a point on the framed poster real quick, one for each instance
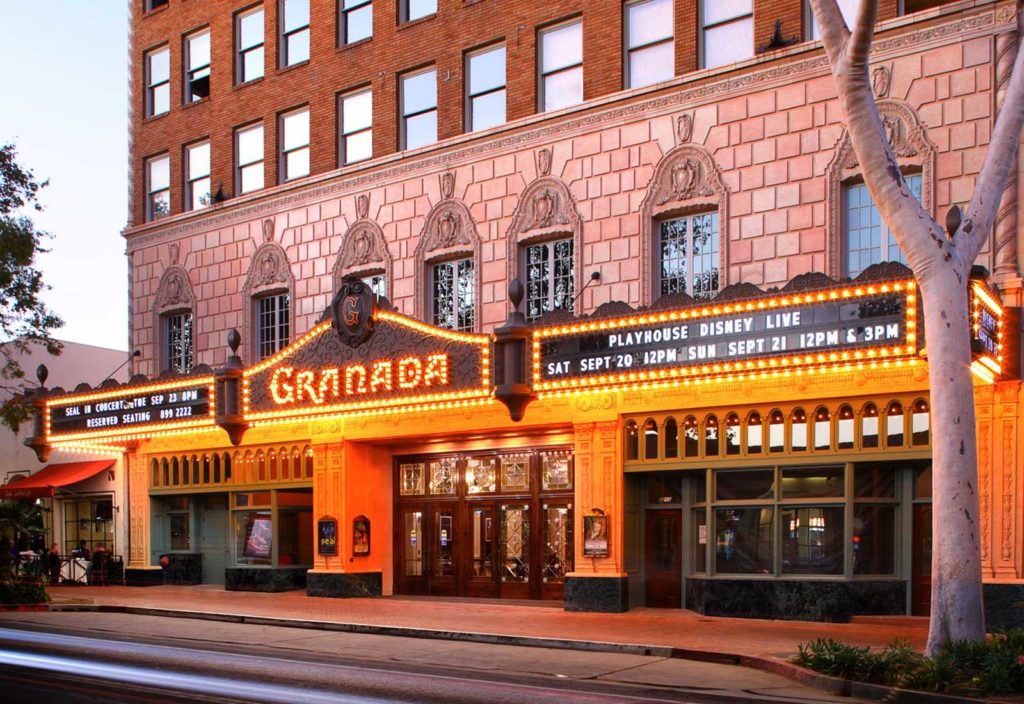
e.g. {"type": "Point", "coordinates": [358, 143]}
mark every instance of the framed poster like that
{"type": "Point", "coordinates": [595, 535]}
{"type": "Point", "coordinates": [327, 536]}
{"type": "Point", "coordinates": [259, 537]}
{"type": "Point", "coordinates": [361, 535]}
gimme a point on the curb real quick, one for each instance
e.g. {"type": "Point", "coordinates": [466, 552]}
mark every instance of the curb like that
{"type": "Point", "coordinates": [826, 683]}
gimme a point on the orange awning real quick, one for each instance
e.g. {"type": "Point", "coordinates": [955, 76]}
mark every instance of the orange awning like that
{"type": "Point", "coordinates": [42, 483]}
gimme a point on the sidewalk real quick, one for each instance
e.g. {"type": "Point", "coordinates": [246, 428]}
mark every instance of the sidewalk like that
{"type": "Point", "coordinates": [689, 633]}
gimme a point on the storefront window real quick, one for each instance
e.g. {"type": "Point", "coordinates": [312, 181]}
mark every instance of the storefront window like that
{"type": "Point", "coordinates": [846, 428]}
{"type": "Point", "coordinates": [874, 539]}
{"type": "Point", "coordinates": [798, 430]}
{"type": "Point", "coordinates": [873, 480]}
{"type": "Point", "coordinates": [700, 540]}
{"type": "Point", "coordinates": [254, 537]}
{"type": "Point", "coordinates": [743, 540]}
{"type": "Point", "coordinates": [920, 423]}
{"type": "Point", "coordinates": [671, 438]}
{"type": "Point", "coordinates": [754, 436]}
{"type": "Point", "coordinates": [894, 425]}
{"type": "Point", "coordinates": [869, 426]}
{"type": "Point", "coordinates": [732, 434]}
{"type": "Point", "coordinates": [812, 540]}
{"type": "Point", "coordinates": [822, 429]}
{"type": "Point", "coordinates": [295, 528]}
{"type": "Point", "coordinates": [91, 520]}
{"type": "Point", "coordinates": [812, 482]}
{"type": "Point", "coordinates": [923, 483]}
{"type": "Point", "coordinates": [745, 484]}
{"type": "Point", "coordinates": [650, 439]}
{"type": "Point", "coordinates": [273, 528]}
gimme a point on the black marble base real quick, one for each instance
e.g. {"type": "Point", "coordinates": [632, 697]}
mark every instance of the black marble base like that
{"type": "Point", "coordinates": [183, 568]}
{"type": "Point", "coordinates": [344, 585]}
{"type": "Point", "coordinates": [795, 600]}
{"type": "Point", "coordinates": [264, 579]}
{"type": "Point", "coordinates": [606, 594]}
{"type": "Point", "coordinates": [144, 577]}
{"type": "Point", "coordinates": [1004, 606]}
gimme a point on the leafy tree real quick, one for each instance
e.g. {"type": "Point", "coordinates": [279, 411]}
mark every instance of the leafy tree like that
{"type": "Point", "coordinates": [24, 318]}
{"type": "Point", "coordinates": [942, 264]}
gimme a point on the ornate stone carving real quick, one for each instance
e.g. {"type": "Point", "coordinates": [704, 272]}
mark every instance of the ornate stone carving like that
{"type": "Point", "coordinates": [269, 273]}
{"type": "Point", "coordinates": [268, 230]}
{"type": "Point", "coordinates": [985, 486]}
{"type": "Point", "coordinates": [1009, 457]}
{"type": "Point", "coordinates": [449, 232]}
{"type": "Point", "coordinates": [684, 128]}
{"type": "Point", "coordinates": [173, 251]}
{"type": "Point", "coordinates": [881, 78]}
{"type": "Point", "coordinates": [910, 143]}
{"type": "Point", "coordinates": [1006, 264]}
{"type": "Point", "coordinates": [546, 204]}
{"type": "Point", "coordinates": [174, 290]}
{"type": "Point", "coordinates": [447, 185]}
{"type": "Point", "coordinates": [687, 178]}
{"type": "Point", "coordinates": [362, 206]}
{"type": "Point", "coordinates": [543, 162]}
{"type": "Point", "coordinates": [271, 267]}
{"type": "Point", "coordinates": [364, 251]}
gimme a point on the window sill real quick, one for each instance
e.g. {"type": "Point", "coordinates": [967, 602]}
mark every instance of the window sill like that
{"type": "Point", "coordinates": [194, 103]}
{"type": "Point", "coordinates": [251, 81]}
{"type": "Point", "coordinates": [353, 45]}
{"type": "Point", "coordinates": [286, 69]}
{"type": "Point", "coordinates": [156, 10]}
{"type": "Point", "coordinates": [415, 22]}
{"type": "Point", "coordinates": [152, 118]}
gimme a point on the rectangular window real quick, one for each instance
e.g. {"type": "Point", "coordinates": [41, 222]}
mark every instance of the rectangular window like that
{"type": "Point", "coordinates": [743, 540]}
{"type": "Point", "coordinates": [178, 336]}
{"type": "Point", "coordinates": [689, 255]}
{"type": "Point", "coordinates": [197, 66]}
{"type": "Point", "coordinates": [88, 524]}
{"type": "Point", "coordinates": [356, 117]}
{"type": "Point", "coordinates": [197, 176]}
{"type": "Point", "coordinates": [867, 239]}
{"type": "Point", "coordinates": [249, 38]}
{"type": "Point", "coordinates": [728, 31]}
{"type": "Point", "coordinates": [355, 21]}
{"type": "Point", "coordinates": [158, 81]}
{"type": "Point", "coordinates": [419, 108]}
{"type": "Point", "coordinates": [453, 295]}
{"type": "Point", "coordinates": [848, 8]}
{"type": "Point", "coordinates": [151, 5]}
{"type": "Point", "coordinates": [294, 32]}
{"type": "Point", "coordinates": [550, 278]}
{"type": "Point", "coordinates": [249, 159]}
{"type": "Point", "coordinates": [295, 145]}
{"type": "Point", "coordinates": [272, 324]}
{"type": "Point", "coordinates": [561, 66]}
{"type": "Point", "coordinates": [414, 9]}
{"type": "Point", "coordinates": [158, 187]}
{"type": "Point", "coordinates": [485, 88]}
{"type": "Point", "coordinates": [378, 283]}
{"type": "Point", "coordinates": [650, 50]}
{"type": "Point", "coordinates": [907, 7]}
{"type": "Point", "coordinates": [812, 539]}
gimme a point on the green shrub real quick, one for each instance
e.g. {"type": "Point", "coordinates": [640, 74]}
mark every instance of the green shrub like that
{"type": "Point", "coordinates": [23, 590]}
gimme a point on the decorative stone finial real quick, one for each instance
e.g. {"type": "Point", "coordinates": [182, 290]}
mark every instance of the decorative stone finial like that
{"type": "Point", "coordinates": [42, 373]}
{"type": "Point", "coordinates": [234, 340]}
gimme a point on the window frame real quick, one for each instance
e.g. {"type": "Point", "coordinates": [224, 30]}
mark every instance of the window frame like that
{"type": "Point", "coordinates": [404, 12]}
{"type": "Point", "coordinates": [189, 72]}
{"type": "Point", "coordinates": [239, 166]}
{"type": "Point", "coordinates": [282, 327]}
{"type": "Point", "coordinates": [404, 117]}
{"type": "Point", "coordinates": [659, 269]}
{"type": "Point", "coordinates": [628, 50]}
{"type": "Point", "coordinates": [470, 96]}
{"type": "Point", "coordinates": [241, 52]}
{"type": "Point", "coordinates": [453, 263]}
{"type": "Point", "coordinates": [182, 361]}
{"type": "Point", "coordinates": [150, 215]}
{"type": "Point", "coordinates": [343, 13]}
{"type": "Point", "coordinates": [548, 244]}
{"type": "Point", "coordinates": [886, 240]}
{"type": "Point", "coordinates": [343, 135]}
{"type": "Point", "coordinates": [190, 182]}
{"type": "Point", "coordinates": [151, 87]}
{"type": "Point", "coordinates": [810, 22]}
{"type": "Point", "coordinates": [702, 29]}
{"type": "Point", "coordinates": [284, 35]}
{"type": "Point", "coordinates": [284, 152]}
{"type": "Point", "coordinates": [542, 75]}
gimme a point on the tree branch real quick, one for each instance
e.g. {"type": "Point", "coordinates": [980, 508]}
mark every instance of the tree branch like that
{"type": "Point", "coordinates": [859, 46]}
{"type": "Point", "coordinates": [832, 26]}
{"type": "Point", "coordinates": [988, 191]}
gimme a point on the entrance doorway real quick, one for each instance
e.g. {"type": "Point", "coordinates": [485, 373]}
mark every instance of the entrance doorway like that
{"type": "Point", "coordinates": [213, 540]}
{"type": "Point", "coordinates": [921, 570]}
{"type": "Point", "coordinates": [663, 570]}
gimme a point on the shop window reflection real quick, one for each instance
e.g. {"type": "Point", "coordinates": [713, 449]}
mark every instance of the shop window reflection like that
{"type": "Point", "coordinates": [776, 431]}
{"type": "Point", "coordinates": [920, 423]}
{"type": "Point", "coordinates": [515, 473]}
{"type": "Point", "coordinates": [413, 543]}
{"type": "Point", "coordinates": [732, 434]}
{"type": "Point", "coordinates": [650, 439]}
{"type": "Point", "coordinates": [515, 542]}
{"type": "Point", "coordinates": [869, 426]}
{"type": "Point", "coordinates": [481, 475]}
{"type": "Point", "coordinates": [691, 446]}
{"type": "Point", "coordinates": [671, 438]}
{"type": "Point", "coordinates": [894, 425]}
{"type": "Point", "coordinates": [442, 476]}
{"type": "Point", "coordinates": [822, 429]}
{"type": "Point", "coordinates": [632, 441]}
{"type": "Point", "coordinates": [874, 539]}
{"type": "Point", "coordinates": [743, 540]}
{"type": "Point", "coordinates": [711, 436]}
{"type": "Point", "coordinates": [754, 434]}
{"type": "Point", "coordinates": [556, 471]}
{"type": "Point", "coordinates": [261, 466]}
{"type": "Point", "coordinates": [846, 428]}
{"type": "Point", "coordinates": [812, 540]}
{"type": "Point", "coordinates": [798, 430]}
{"type": "Point", "coordinates": [558, 543]}
{"type": "Point", "coordinates": [411, 476]}
{"type": "Point", "coordinates": [923, 483]}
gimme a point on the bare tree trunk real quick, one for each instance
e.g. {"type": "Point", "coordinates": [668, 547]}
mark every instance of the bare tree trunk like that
{"type": "Point", "coordinates": [941, 265]}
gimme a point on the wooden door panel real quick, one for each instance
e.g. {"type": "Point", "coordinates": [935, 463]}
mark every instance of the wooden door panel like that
{"type": "Point", "coordinates": [663, 573]}
{"type": "Point", "coordinates": [921, 570]}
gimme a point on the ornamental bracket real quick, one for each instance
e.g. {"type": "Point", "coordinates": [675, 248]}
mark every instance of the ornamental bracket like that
{"type": "Point", "coordinates": [229, 392]}
{"type": "Point", "coordinates": [511, 357]}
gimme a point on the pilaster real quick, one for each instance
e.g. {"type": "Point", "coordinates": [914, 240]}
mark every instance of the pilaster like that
{"type": "Point", "coordinates": [138, 510]}
{"type": "Point", "coordinates": [1006, 481]}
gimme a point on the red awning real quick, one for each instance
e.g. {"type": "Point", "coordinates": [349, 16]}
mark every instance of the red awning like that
{"type": "Point", "coordinates": [42, 483]}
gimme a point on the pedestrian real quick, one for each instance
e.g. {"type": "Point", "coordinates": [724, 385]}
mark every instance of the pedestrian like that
{"type": "Point", "coordinates": [53, 563]}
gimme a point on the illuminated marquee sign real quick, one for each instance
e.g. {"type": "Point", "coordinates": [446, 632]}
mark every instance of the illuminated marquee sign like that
{"type": "Point", "coordinates": [841, 324]}
{"type": "Point", "coordinates": [986, 332]}
{"type": "Point", "coordinates": [138, 410]}
{"type": "Point", "coordinates": [362, 359]}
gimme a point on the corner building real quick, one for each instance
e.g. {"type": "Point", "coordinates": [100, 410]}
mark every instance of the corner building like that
{"type": "Point", "coordinates": [731, 408]}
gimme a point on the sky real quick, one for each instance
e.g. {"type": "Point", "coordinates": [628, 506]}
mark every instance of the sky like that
{"type": "Point", "coordinates": [64, 104]}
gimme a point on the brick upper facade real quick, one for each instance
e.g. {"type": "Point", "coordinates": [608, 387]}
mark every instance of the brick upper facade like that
{"type": "Point", "coordinates": [763, 139]}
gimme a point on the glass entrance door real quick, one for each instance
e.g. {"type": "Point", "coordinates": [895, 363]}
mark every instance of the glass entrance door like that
{"type": "Point", "coordinates": [442, 553]}
{"type": "Point", "coordinates": [480, 546]}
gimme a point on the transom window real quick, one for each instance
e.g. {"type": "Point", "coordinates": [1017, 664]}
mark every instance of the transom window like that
{"type": "Point", "coordinates": [158, 81]}
{"type": "Point", "coordinates": [453, 295]}
{"type": "Point", "coordinates": [728, 31]}
{"type": "Point", "coordinates": [419, 108]}
{"type": "Point", "coordinates": [356, 113]}
{"type": "Point", "coordinates": [561, 66]}
{"type": "Point", "coordinates": [249, 158]}
{"type": "Point", "coordinates": [485, 88]}
{"type": "Point", "coordinates": [867, 239]}
{"type": "Point", "coordinates": [272, 324]}
{"type": "Point", "coordinates": [178, 337]}
{"type": "Point", "coordinates": [689, 255]}
{"type": "Point", "coordinates": [197, 67]}
{"type": "Point", "coordinates": [294, 32]}
{"type": "Point", "coordinates": [197, 179]}
{"type": "Point", "coordinates": [410, 10]}
{"type": "Point", "coordinates": [295, 145]}
{"type": "Point", "coordinates": [249, 33]}
{"type": "Point", "coordinates": [356, 21]}
{"type": "Point", "coordinates": [158, 187]}
{"type": "Point", "coordinates": [650, 53]}
{"type": "Point", "coordinates": [550, 278]}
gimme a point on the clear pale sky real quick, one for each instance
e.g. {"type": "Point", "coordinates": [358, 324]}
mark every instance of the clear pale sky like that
{"type": "Point", "coordinates": [64, 103]}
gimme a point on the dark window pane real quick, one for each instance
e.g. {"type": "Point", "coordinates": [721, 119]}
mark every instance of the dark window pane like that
{"type": "Point", "coordinates": [671, 438]}
{"type": "Point", "coordinates": [632, 441]}
{"type": "Point", "coordinates": [812, 540]}
{"type": "Point", "coordinates": [690, 444]}
{"type": "Point", "coordinates": [650, 440]}
{"type": "Point", "coordinates": [743, 540]}
{"type": "Point", "coordinates": [745, 484]}
{"type": "Point", "coordinates": [665, 489]}
{"type": "Point", "coordinates": [700, 540]}
{"type": "Point", "coordinates": [812, 482]}
{"type": "Point", "coordinates": [874, 480]}
{"type": "Point", "coordinates": [874, 539]}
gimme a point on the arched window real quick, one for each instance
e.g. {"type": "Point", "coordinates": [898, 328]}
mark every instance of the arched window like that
{"type": "Point", "coordinates": [711, 445]}
{"type": "Point", "coordinates": [175, 476]}
{"type": "Point", "coordinates": [272, 463]}
{"type": "Point", "coordinates": [216, 465]}
{"type": "Point", "coordinates": [869, 426]}
{"type": "Point", "coordinates": [248, 467]}
{"type": "Point", "coordinates": [632, 441]}
{"type": "Point", "coordinates": [650, 439]}
{"type": "Point", "coordinates": [846, 427]}
{"type": "Point", "coordinates": [691, 446]}
{"type": "Point", "coordinates": [308, 452]}
{"type": "Point", "coordinates": [798, 430]}
{"type": "Point", "coordinates": [184, 471]}
{"type": "Point", "coordinates": [894, 425]}
{"type": "Point", "coordinates": [447, 262]}
{"type": "Point", "coordinates": [776, 431]}
{"type": "Point", "coordinates": [165, 467]}
{"type": "Point", "coordinates": [261, 466]}
{"type": "Point", "coordinates": [268, 294]}
{"type": "Point", "coordinates": [822, 429]}
{"type": "Point", "coordinates": [920, 423]}
{"type": "Point", "coordinates": [195, 469]}
{"type": "Point", "coordinates": [282, 461]}
{"type": "Point", "coordinates": [732, 434]}
{"type": "Point", "coordinates": [671, 438]}
{"type": "Point", "coordinates": [296, 462]}
{"type": "Point", "coordinates": [755, 436]}
{"type": "Point", "coordinates": [226, 464]}
{"type": "Point", "coordinates": [206, 468]}
{"type": "Point", "coordinates": [154, 468]}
